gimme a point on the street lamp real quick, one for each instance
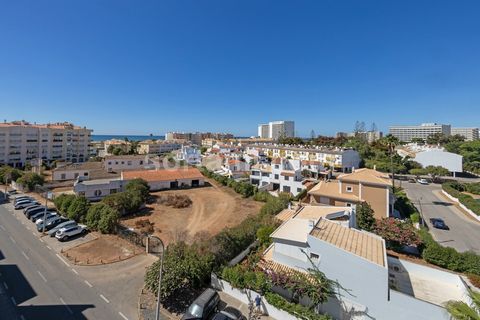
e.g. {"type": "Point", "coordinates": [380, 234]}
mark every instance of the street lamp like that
{"type": "Point", "coordinates": [422, 223]}
{"type": "Point", "coordinates": [156, 252]}
{"type": "Point", "coordinates": [44, 189]}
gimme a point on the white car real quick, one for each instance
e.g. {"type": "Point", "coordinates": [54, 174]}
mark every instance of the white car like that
{"type": "Point", "coordinates": [423, 181]}
{"type": "Point", "coordinates": [65, 233]}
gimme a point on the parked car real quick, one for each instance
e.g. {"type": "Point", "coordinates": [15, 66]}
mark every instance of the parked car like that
{"type": "Point", "coordinates": [25, 203]}
{"type": "Point", "coordinates": [229, 313]}
{"type": "Point", "coordinates": [34, 210]}
{"type": "Point", "coordinates": [412, 180]}
{"type": "Point", "coordinates": [50, 215]}
{"type": "Point", "coordinates": [11, 192]}
{"type": "Point", "coordinates": [438, 223]}
{"type": "Point", "coordinates": [68, 223]}
{"type": "Point", "coordinates": [29, 208]}
{"type": "Point", "coordinates": [66, 233]}
{"type": "Point", "coordinates": [22, 198]}
{"type": "Point", "coordinates": [423, 181]}
{"type": "Point", "coordinates": [51, 223]}
{"type": "Point", "coordinates": [40, 215]}
{"type": "Point", "coordinates": [204, 306]}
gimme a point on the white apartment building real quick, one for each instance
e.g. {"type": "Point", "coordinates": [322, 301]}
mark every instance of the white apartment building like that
{"type": "Point", "coordinates": [158, 146]}
{"type": "Point", "coordinates": [124, 162]}
{"type": "Point", "coordinates": [340, 159]}
{"type": "Point", "coordinates": [281, 175]}
{"type": "Point", "coordinates": [469, 134]}
{"type": "Point", "coordinates": [21, 142]}
{"type": "Point", "coordinates": [407, 133]}
{"type": "Point", "coordinates": [276, 129]}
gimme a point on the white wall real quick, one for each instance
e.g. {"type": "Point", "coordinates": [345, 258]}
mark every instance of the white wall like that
{"type": "Point", "coordinates": [448, 160]}
{"type": "Point", "coordinates": [70, 174]}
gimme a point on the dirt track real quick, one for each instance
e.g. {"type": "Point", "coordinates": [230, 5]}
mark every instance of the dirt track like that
{"type": "Point", "coordinates": [214, 208]}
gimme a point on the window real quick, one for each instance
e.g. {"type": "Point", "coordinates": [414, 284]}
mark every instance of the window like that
{"type": "Point", "coordinates": [85, 174]}
{"type": "Point", "coordinates": [299, 189]}
{"type": "Point", "coordinates": [349, 204]}
{"type": "Point", "coordinates": [349, 189]}
{"type": "Point", "coordinates": [63, 176]}
{"type": "Point", "coordinates": [76, 175]}
{"type": "Point", "coordinates": [113, 191]}
{"type": "Point", "coordinates": [286, 178]}
{"type": "Point", "coordinates": [129, 163]}
{"type": "Point", "coordinates": [141, 162]}
{"type": "Point", "coordinates": [314, 256]}
{"type": "Point", "coordinates": [97, 193]}
{"type": "Point", "coordinates": [265, 174]}
{"type": "Point", "coordinates": [277, 166]}
{"type": "Point", "coordinates": [276, 176]}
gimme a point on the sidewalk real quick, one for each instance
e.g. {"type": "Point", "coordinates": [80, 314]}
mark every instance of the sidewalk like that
{"type": "Point", "coordinates": [242, 307]}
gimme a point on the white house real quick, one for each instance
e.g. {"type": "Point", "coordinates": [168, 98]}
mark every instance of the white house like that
{"type": "Point", "coordinates": [378, 287]}
{"type": "Point", "coordinates": [235, 168]}
{"type": "Point", "coordinates": [281, 175]}
{"type": "Point", "coordinates": [190, 155]}
{"type": "Point", "coordinates": [97, 189]}
{"type": "Point", "coordinates": [124, 162]}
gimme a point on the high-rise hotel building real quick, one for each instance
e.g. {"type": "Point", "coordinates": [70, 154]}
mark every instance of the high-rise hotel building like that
{"type": "Point", "coordinates": [21, 142]}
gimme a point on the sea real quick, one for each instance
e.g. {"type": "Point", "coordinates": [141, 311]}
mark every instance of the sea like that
{"type": "Point", "coordinates": [102, 137]}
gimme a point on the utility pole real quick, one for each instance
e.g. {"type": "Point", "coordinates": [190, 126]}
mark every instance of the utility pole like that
{"type": "Point", "coordinates": [43, 189]}
{"type": "Point", "coordinates": [159, 292]}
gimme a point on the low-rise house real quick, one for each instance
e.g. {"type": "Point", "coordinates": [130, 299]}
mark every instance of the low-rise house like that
{"type": "Point", "coordinates": [167, 178]}
{"type": "Point", "coordinates": [190, 155]}
{"type": "Point", "coordinates": [97, 189]}
{"type": "Point", "coordinates": [158, 147]}
{"type": "Point", "coordinates": [350, 189]}
{"type": "Point", "coordinates": [116, 144]}
{"type": "Point", "coordinates": [373, 286]}
{"type": "Point", "coordinates": [82, 171]}
{"type": "Point", "coordinates": [313, 167]}
{"type": "Point", "coordinates": [236, 168]}
{"type": "Point", "coordinates": [124, 162]}
{"type": "Point", "coordinates": [283, 175]}
{"type": "Point", "coordinates": [428, 155]}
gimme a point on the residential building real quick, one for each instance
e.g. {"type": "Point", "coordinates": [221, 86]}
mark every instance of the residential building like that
{"type": "Point", "coordinates": [111, 144]}
{"type": "Point", "coordinates": [314, 168]}
{"type": "Point", "coordinates": [372, 284]}
{"type": "Point", "coordinates": [264, 131]}
{"type": "Point", "coordinates": [195, 138]}
{"type": "Point", "coordinates": [124, 162]}
{"type": "Point", "coordinates": [350, 189]}
{"type": "Point", "coordinates": [22, 142]}
{"type": "Point", "coordinates": [167, 178]}
{"type": "Point", "coordinates": [428, 155]}
{"type": "Point", "coordinates": [158, 147]}
{"type": "Point", "coordinates": [191, 156]}
{"type": "Point", "coordinates": [282, 175]}
{"type": "Point", "coordinates": [369, 136]}
{"type": "Point", "coordinates": [469, 134]}
{"type": "Point", "coordinates": [97, 189]}
{"type": "Point", "coordinates": [344, 160]}
{"type": "Point", "coordinates": [407, 133]}
{"type": "Point", "coordinates": [235, 168]}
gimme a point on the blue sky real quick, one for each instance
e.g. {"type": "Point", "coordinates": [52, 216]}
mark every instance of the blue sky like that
{"type": "Point", "coordinates": [140, 67]}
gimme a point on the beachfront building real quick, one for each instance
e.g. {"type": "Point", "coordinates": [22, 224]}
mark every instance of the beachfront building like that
{"type": "Point", "coordinates": [277, 129]}
{"type": "Point", "coordinates": [22, 142]}
{"type": "Point", "coordinates": [469, 134]}
{"type": "Point", "coordinates": [423, 131]}
{"type": "Point", "coordinates": [158, 147]}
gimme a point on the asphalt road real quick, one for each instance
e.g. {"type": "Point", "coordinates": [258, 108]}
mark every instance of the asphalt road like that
{"type": "Point", "coordinates": [42, 284]}
{"type": "Point", "coordinates": [464, 233]}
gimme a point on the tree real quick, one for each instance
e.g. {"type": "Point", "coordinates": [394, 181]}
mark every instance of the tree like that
{"type": "Point", "coordinates": [108, 219]}
{"type": "Point", "coordinates": [139, 185]}
{"type": "Point", "coordinates": [459, 310]}
{"type": "Point", "coordinates": [396, 233]}
{"type": "Point", "coordinates": [78, 208]}
{"type": "Point", "coordinates": [29, 180]}
{"type": "Point", "coordinates": [9, 173]}
{"type": "Point", "coordinates": [436, 171]}
{"type": "Point", "coordinates": [263, 234]}
{"type": "Point", "coordinates": [418, 172]}
{"type": "Point", "coordinates": [365, 217]}
{"type": "Point", "coordinates": [94, 214]}
{"type": "Point", "coordinates": [65, 203]}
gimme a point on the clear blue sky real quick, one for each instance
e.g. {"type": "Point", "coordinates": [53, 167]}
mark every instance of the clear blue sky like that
{"type": "Point", "coordinates": [139, 67]}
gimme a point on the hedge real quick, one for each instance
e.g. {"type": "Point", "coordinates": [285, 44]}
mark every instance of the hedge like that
{"type": "Point", "coordinates": [455, 190]}
{"type": "Point", "coordinates": [448, 258]}
{"type": "Point", "coordinates": [246, 189]}
{"type": "Point", "coordinates": [294, 309]}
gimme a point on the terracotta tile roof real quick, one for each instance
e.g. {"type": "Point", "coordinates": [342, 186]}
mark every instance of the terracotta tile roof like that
{"type": "Point", "coordinates": [311, 162]}
{"type": "Point", "coordinates": [233, 161]}
{"type": "Point", "coordinates": [365, 175]}
{"type": "Point", "coordinates": [331, 189]}
{"type": "Point", "coordinates": [364, 244]}
{"type": "Point", "coordinates": [163, 174]}
{"type": "Point", "coordinates": [277, 161]}
{"type": "Point", "coordinates": [287, 173]}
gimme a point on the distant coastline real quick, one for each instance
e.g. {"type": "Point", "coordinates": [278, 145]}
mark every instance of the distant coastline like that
{"type": "Point", "coordinates": [102, 137]}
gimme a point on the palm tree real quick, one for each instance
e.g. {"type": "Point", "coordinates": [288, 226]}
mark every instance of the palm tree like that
{"type": "Point", "coordinates": [391, 142]}
{"type": "Point", "coordinates": [459, 310]}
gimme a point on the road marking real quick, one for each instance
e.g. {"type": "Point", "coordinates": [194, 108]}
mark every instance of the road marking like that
{"type": "Point", "coordinates": [34, 233]}
{"type": "Point", "coordinates": [3, 228]}
{"type": "Point", "coordinates": [13, 300]}
{"type": "Point", "coordinates": [28, 228]}
{"type": "Point", "coordinates": [40, 240]}
{"type": "Point", "coordinates": [122, 315]}
{"type": "Point", "coordinates": [13, 240]}
{"type": "Point", "coordinates": [5, 285]}
{"type": "Point", "coordinates": [42, 276]}
{"type": "Point", "coordinates": [88, 284]}
{"type": "Point", "coordinates": [66, 306]}
{"type": "Point", "coordinates": [75, 271]}
{"type": "Point", "coordinates": [58, 256]}
{"type": "Point", "coordinates": [103, 297]}
{"type": "Point", "coordinates": [25, 255]}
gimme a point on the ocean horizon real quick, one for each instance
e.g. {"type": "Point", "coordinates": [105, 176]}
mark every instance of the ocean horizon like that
{"type": "Point", "coordinates": [102, 137]}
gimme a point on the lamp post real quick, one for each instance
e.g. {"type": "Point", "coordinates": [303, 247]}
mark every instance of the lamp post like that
{"type": "Point", "coordinates": [162, 246]}
{"type": "Point", "coordinates": [422, 223]}
{"type": "Point", "coordinates": [43, 189]}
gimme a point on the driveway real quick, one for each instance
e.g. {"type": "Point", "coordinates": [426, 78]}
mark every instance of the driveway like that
{"type": "Point", "coordinates": [464, 233]}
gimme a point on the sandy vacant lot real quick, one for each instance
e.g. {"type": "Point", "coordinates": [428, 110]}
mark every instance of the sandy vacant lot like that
{"type": "Point", "coordinates": [214, 208]}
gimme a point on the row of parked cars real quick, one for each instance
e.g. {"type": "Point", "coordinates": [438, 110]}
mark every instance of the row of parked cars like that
{"type": "Point", "coordinates": [48, 220]}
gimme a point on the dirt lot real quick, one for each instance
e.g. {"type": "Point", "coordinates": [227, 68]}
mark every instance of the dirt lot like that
{"type": "Point", "coordinates": [104, 249]}
{"type": "Point", "coordinates": [214, 208]}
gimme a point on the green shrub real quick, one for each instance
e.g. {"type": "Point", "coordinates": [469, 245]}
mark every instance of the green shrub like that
{"type": "Point", "coordinates": [294, 309]}
{"type": "Point", "coordinates": [65, 204]}
{"type": "Point", "coordinates": [29, 180]}
{"type": "Point", "coordinates": [78, 208]}
{"type": "Point", "coordinates": [263, 234]}
{"type": "Point", "coordinates": [455, 189]}
{"type": "Point", "coordinates": [93, 215]}
{"type": "Point", "coordinates": [108, 220]}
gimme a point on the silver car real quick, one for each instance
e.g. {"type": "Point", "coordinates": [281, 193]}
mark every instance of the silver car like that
{"type": "Point", "coordinates": [68, 223]}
